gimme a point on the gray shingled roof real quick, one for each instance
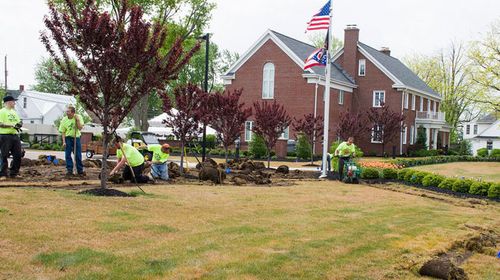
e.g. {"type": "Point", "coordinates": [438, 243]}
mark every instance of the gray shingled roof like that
{"type": "Point", "coordinates": [303, 50]}
{"type": "Point", "coordinates": [13, 93]}
{"type": "Point", "coordinates": [490, 118]}
{"type": "Point", "coordinates": [399, 70]}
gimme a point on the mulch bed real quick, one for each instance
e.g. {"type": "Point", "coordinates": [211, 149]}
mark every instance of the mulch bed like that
{"type": "Point", "coordinates": [105, 192]}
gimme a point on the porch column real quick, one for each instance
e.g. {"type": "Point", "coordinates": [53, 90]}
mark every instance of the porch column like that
{"type": "Point", "coordinates": [435, 138]}
{"type": "Point", "coordinates": [428, 136]}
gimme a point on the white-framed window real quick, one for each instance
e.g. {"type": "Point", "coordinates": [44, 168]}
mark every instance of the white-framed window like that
{"type": "Point", "coordinates": [405, 134]}
{"type": "Point", "coordinates": [377, 132]}
{"type": "Point", "coordinates": [362, 67]}
{"type": "Point", "coordinates": [268, 81]}
{"type": "Point", "coordinates": [25, 102]}
{"type": "Point", "coordinates": [467, 129]}
{"type": "Point", "coordinates": [405, 100]}
{"type": "Point", "coordinates": [428, 105]}
{"type": "Point", "coordinates": [413, 100]}
{"type": "Point", "coordinates": [286, 134]}
{"type": "Point", "coordinates": [421, 103]}
{"type": "Point", "coordinates": [412, 135]}
{"type": "Point", "coordinates": [378, 98]}
{"type": "Point", "coordinates": [475, 129]}
{"type": "Point", "coordinates": [248, 131]}
{"type": "Point", "coordinates": [341, 97]}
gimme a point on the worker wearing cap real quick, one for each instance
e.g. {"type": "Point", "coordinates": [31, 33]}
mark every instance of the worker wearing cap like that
{"type": "Point", "coordinates": [70, 128]}
{"type": "Point", "coordinates": [10, 125]}
{"type": "Point", "coordinates": [159, 169]}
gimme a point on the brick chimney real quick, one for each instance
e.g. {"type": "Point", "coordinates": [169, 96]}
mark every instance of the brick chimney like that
{"type": "Point", "coordinates": [351, 38]}
{"type": "Point", "coordinates": [21, 88]}
{"type": "Point", "coordinates": [386, 50]}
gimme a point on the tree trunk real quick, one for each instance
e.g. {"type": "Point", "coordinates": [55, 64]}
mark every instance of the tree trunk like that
{"type": "Point", "coordinates": [312, 153]}
{"type": "Point", "coordinates": [268, 158]}
{"type": "Point", "coordinates": [140, 114]}
{"type": "Point", "coordinates": [104, 167]}
{"type": "Point", "coordinates": [226, 149]}
{"type": "Point", "coordinates": [181, 169]}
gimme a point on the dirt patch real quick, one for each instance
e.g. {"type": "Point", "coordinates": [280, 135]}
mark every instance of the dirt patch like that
{"type": "Point", "coordinates": [446, 264]}
{"type": "Point", "coordinates": [105, 192]}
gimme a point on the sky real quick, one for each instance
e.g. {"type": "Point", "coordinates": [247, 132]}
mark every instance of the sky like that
{"type": "Point", "coordinates": [407, 27]}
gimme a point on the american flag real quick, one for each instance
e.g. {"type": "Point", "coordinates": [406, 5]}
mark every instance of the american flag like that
{"type": "Point", "coordinates": [317, 58]}
{"type": "Point", "coordinates": [320, 20]}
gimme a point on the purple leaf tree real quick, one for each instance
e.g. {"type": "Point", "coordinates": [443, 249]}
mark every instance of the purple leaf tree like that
{"type": "Point", "coordinates": [228, 116]}
{"type": "Point", "coordinates": [185, 119]}
{"type": "Point", "coordinates": [119, 59]}
{"type": "Point", "coordinates": [271, 119]}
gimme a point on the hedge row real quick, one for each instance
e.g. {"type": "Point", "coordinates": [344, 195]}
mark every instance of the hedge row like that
{"type": "Point", "coordinates": [442, 159]}
{"type": "Point", "coordinates": [427, 179]}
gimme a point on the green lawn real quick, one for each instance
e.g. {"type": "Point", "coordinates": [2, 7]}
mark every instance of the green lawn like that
{"type": "Point", "coordinates": [488, 171]}
{"type": "Point", "coordinates": [315, 230]}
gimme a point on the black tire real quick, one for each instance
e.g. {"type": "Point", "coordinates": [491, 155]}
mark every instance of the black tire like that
{"type": "Point", "coordinates": [89, 154]}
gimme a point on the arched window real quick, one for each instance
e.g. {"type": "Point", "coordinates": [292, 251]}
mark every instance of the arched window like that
{"type": "Point", "coordinates": [268, 81]}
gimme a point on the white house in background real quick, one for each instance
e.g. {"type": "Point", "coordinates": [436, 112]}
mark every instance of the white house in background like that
{"type": "Point", "coordinates": [484, 131]}
{"type": "Point", "coordinates": [39, 111]}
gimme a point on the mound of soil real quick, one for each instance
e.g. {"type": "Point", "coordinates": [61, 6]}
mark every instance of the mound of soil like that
{"type": "Point", "coordinates": [105, 192]}
{"type": "Point", "coordinates": [443, 268]}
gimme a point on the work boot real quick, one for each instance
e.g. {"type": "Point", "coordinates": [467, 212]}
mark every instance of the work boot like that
{"type": "Point", "coordinates": [69, 174]}
{"type": "Point", "coordinates": [82, 174]}
{"type": "Point", "coordinates": [15, 176]}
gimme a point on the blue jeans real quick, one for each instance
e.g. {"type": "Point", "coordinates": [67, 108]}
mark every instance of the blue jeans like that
{"type": "Point", "coordinates": [159, 171]}
{"type": "Point", "coordinates": [69, 149]}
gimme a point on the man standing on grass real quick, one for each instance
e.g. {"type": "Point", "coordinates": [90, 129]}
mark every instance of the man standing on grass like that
{"type": "Point", "coordinates": [345, 151]}
{"type": "Point", "coordinates": [133, 161]}
{"type": "Point", "coordinates": [159, 169]}
{"type": "Point", "coordinates": [10, 124]}
{"type": "Point", "coordinates": [70, 128]}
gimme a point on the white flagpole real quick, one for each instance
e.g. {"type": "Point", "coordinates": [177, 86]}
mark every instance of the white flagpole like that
{"type": "Point", "coordinates": [326, 115]}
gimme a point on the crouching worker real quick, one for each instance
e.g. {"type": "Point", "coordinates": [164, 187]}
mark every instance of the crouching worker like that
{"type": "Point", "coordinates": [159, 168]}
{"type": "Point", "coordinates": [131, 158]}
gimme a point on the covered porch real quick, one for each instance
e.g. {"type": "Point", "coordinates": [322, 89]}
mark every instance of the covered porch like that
{"type": "Point", "coordinates": [436, 129]}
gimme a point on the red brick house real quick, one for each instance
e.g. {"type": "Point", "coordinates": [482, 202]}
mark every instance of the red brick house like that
{"type": "Point", "coordinates": [361, 78]}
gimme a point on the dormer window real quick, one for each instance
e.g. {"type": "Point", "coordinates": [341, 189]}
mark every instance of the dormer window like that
{"type": "Point", "coordinates": [362, 67]}
{"type": "Point", "coordinates": [268, 81]}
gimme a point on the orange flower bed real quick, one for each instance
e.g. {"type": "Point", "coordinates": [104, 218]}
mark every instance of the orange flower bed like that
{"type": "Point", "coordinates": [379, 165]}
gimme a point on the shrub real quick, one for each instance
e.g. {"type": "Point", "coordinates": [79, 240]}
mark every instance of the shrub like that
{"type": "Point", "coordinates": [463, 148]}
{"type": "Point", "coordinates": [390, 173]}
{"type": "Point", "coordinates": [480, 188]}
{"type": "Point", "coordinates": [495, 153]}
{"type": "Point", "coordinates": [418, 177]}
{"type": "Point", "coordinates": [257, 147]}
{"type": "Point", "coordinates": [447, 184]}
{"type": "Point", "coordinates": [402, 174]}
{"type": "Point", "coordinates": [35, 146]}
{"type": "Point", "coordinates": [494, 191]}
{"type": "Point", "coordinates": [303, 148]}
{"type": "Point", "coordinates": [370, 173]}
{"type": "Point", "coordinates": [211, 141]}
{"type": "Point", "coordinates": [432, 180]}
{"type": "Point", "coordinates": [483, 152]}
{"type": "Point", "coordinates": [462, 186]}
{"type": "Point", "coordinates": [291, 154]}
{"type": "Point", "coordinates": [409, 175]}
